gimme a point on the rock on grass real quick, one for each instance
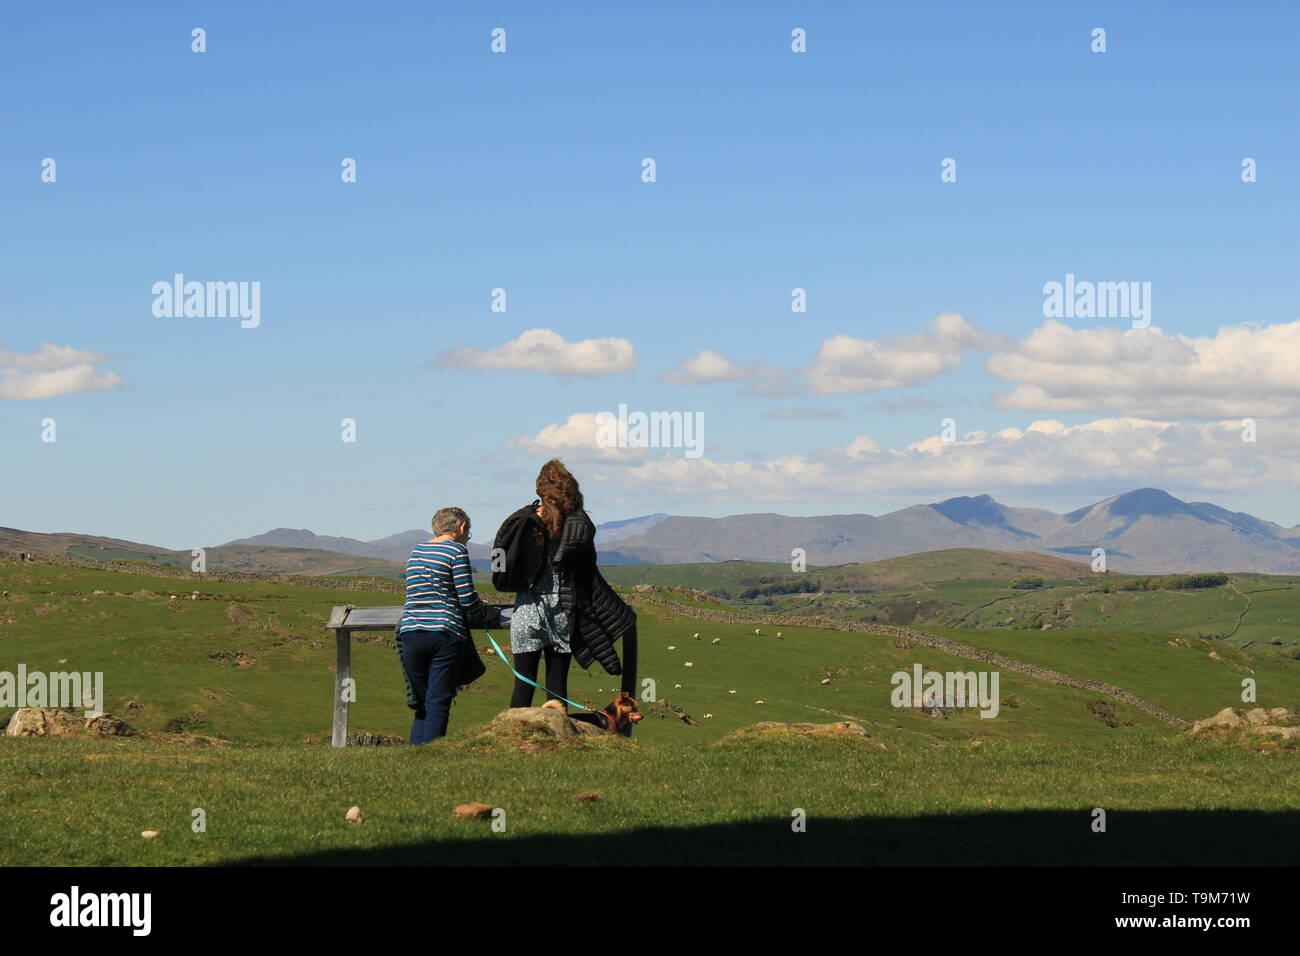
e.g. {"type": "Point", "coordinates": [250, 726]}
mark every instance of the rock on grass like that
{"type": "Point", "coordinates": [56, 722]}
{"type": "Point", "coordinates": [773, 728]}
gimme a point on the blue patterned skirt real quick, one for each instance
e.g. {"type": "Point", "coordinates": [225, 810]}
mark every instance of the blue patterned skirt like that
{"type": "Point", "coordinates": [539, 621]}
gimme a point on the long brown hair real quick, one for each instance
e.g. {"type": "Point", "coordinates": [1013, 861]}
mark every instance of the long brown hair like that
{"type": "Point", "coordinates": [560, 495]}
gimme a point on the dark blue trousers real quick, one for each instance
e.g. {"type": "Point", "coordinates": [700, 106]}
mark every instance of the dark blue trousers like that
{"type": "Point", "coordinates": [429, 659]}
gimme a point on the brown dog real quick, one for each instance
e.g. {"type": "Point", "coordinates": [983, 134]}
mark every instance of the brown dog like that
{"type": "Point", "coordinates": [616, 719]}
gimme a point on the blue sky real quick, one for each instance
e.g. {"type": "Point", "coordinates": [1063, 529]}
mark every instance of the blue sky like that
{"type": "Point", "coordinates": [522, 171]}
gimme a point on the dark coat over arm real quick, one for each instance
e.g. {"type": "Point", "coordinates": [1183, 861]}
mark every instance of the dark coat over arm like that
{"type": "Point", "coordinates": [599, 615]}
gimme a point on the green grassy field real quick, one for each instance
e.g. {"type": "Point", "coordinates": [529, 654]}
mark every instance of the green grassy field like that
{"type": "Point", "coordinates": [251, 663]}
{"type": "Point", "coordinates": [969, 588]}
{"type": "Point", "coordinates": [1169, 801]}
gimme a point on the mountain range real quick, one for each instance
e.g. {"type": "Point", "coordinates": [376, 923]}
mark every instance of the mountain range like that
{"type": "Point", "coordinates": [1143, 530]}
{"type": "Point", "coordinates": [397, 547]}
{"type": "Point", "coordinates": [1147, 530]}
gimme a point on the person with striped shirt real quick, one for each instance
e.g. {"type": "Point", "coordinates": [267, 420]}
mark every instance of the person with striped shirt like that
{"type": "Point", "coordinates": [439, 595]}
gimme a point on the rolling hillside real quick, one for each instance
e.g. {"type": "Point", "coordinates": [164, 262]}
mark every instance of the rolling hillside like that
{"type": "Point", "coordinates": [246, 559]}
{"type": "Point", "coordinates": [975, 589]}
{"type": "Point", "coordinates": [1143, 531]}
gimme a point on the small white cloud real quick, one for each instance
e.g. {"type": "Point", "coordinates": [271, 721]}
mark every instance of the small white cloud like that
{"type": "Point", "coordinates": [844, 364]}
{"type": "Point", "coordinates": [707, 366]}
{"type": "Point", "coordinates": [545, 351]}
{"type": "Point", "coordinates": [52, 371]}
{"type": "Point", "coordinates": [577, 438]}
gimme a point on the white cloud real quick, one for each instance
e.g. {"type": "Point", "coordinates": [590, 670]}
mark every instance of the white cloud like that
{"type": "Point", "coordinates": [576, 439]}
{"type": "Point", "coordinates": [542, 350]}
{"type": "Point", "coordinates": [1242, 371]}
{"type": "Point", "coordinates": [845, 364]}
{"type": "Point", "coordinates": [1048, 453]}
{"type": "Point", "coordinates": [708, 366]}
{"type": "Point", "coordinates": [52, 371]}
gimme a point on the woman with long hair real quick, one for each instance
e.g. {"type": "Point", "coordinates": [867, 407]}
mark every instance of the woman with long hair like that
{"type": "Point", "coordinates": [570, 611]}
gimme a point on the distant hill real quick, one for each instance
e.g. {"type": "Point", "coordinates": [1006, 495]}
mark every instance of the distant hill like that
{"type": "Point", "coordinates": [230, 558]}
{"type": "Point", "coordinates": [12, 539]}
{"type": "Point", "coordinates": [397, 547]}
{"type": "Point", "coordinates": [1145, 530]}
{"type": "Point", "coordinates": [611, 531]}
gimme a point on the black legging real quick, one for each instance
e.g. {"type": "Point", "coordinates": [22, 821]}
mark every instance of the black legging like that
{"type": "Point", "coordinates": [557, 676]}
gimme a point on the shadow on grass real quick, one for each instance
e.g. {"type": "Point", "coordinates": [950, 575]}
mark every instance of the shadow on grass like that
{"type": "Point", "coordinates": [1026, 838]}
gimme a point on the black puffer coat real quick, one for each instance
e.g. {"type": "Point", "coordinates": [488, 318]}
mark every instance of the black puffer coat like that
{"type": "Point", "coordinates": [599, 615]}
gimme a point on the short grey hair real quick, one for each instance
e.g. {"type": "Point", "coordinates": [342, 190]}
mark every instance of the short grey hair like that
{"type": "Point", "coordinates": [447, 520]}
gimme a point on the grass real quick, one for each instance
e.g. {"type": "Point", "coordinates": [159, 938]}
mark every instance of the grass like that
{"type": "Point", "coordinates": [1015, 789]}
{"type": "Point", "coordinates": [1169, 801]}
{"type": "Point", "coordinates": [1181, 678]}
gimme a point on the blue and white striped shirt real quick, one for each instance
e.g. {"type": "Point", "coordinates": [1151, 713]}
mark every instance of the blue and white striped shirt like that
{"type": "Point", "coordinates": [439, 589]}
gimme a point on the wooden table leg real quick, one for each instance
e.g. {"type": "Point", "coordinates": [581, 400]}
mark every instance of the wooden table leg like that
{"type": "Point", "coordinates": [342, 671]}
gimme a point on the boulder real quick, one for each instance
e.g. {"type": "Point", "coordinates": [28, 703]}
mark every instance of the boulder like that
{"type": "Point", "coordinates": [1286, 733]}
{"type": "Point", "coordinates": [548, 721]}
{"type": "Point", "coordinates": [1257, 717]}
{"type": "Point", "coordinates": [56, 722]}
{"type": "Point", "coordinates": [534, 730]}
{"type": "Point", "coordinates": [1257, 721]}
{"type": "Point", "coordinates": [1226, 719]}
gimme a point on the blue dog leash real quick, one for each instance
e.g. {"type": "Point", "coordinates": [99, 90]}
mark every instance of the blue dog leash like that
{"type": "Point", "coordinates": [501, 654]}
